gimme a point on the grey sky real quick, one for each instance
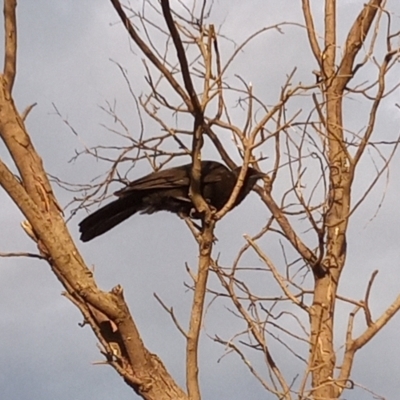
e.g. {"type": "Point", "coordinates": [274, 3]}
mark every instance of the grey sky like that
{"type": "Point", "coordinates": [64, 58]}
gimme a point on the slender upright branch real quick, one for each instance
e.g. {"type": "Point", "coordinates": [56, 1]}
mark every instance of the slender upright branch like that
{"type": "Point", "coordinates": [197, 141]}
{"type": "Point", "coordinates": [10, 58]}
{"type": "Point", "coordinates": [312, 34]}
{"type": "Point", "coordinates": [197, 311]}
{"type": "Point", "coordinates": [329, 55]}
{"type": "Point", "coordinates": [355, 39]}
{"type": "Point", "coordinates": [149, 54]}
{"type": "Point", "coordinates": [181, 56]}
{"type": "Point", "coordinates": [206, 239]}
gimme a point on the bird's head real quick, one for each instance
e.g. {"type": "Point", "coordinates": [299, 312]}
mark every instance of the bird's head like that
{"type": "Point", "coordinates": [252, 176]}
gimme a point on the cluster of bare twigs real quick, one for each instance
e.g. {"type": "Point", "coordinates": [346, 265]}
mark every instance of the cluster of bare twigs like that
{"type": "Point", "coordinates": [289, 142]}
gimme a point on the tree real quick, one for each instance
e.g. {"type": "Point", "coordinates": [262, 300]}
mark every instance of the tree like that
{"type": "Point", "coordinates": [301, 140]}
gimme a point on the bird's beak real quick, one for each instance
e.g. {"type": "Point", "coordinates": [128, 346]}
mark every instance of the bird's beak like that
{"type": "Point", "coordinates": [260, 175]}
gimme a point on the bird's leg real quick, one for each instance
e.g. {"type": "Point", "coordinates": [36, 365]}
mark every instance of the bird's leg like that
{"type": "Point", "coordinates": [194, 214]}
{"type": "Point", "coordinates": [194, 228]}
{"type": "Point", "coordinates": [189, 218]}
{"type": "Point", "coordinates": [193, 225]}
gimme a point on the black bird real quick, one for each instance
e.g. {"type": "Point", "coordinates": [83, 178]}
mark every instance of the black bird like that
{"type": "Point", "coordinates": [168, 190]}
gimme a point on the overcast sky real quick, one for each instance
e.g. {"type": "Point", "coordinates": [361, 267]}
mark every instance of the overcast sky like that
{"type": "Point", "coordinates": [64, 57]}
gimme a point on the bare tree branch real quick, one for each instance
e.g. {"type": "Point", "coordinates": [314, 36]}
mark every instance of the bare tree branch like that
{"type": "Point", "coordinates": [10, 47]}
{"type": "Point", "coordinates": [149, 54]}
{"type": "Point", "coordinates": [355, 40]}
{"type": "Point", "coordinates": [312, 34]}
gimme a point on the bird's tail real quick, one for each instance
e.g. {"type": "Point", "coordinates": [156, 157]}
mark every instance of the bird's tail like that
{"type": "Point", "coordinates": [107, 217]}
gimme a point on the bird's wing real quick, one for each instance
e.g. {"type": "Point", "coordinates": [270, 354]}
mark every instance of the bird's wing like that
{"type": "Point", "coordinates": [164, 179]}
{"type": "Point", "coordinates": [176, 177]}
